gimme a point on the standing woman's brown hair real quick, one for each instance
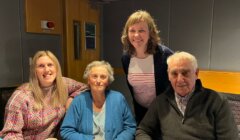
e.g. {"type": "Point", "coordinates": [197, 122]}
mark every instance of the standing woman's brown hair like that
{"type": "Point", "coordinates": [137, 17]}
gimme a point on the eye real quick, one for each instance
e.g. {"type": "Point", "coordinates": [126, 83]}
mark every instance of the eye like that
{"type": "Point", "coordinates": [174, 73]}
{"type": "Point", "coordinates": [131, 31]}
{"type": "Point", "coordinates": [185, 73]}
{"type": "Point", "coordinates": [40, 66]}
{"type": "Point", "coordinates": [50, 65]}
{"type": "Point", "coordinates": [141, 31]}
{"type": "Point", "coordinates": [94, 76]}
{"type": "Point", "coordinates": [103, 77]}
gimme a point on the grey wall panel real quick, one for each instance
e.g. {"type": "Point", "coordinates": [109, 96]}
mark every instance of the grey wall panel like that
{"type": "Point", "coordinates": [114, 18]}
{"type": "Point", "coordinates": [16, 46]}
{"type": "Point", "coordinates": [191, 28]}
{"type": "Point", "coordinates": [159, 9]}
{"type": "Point", "coordinates": [31, 43]}
{"type": "Point", "coordinates": [226, 36]}
{"type": "Point", "coordinates": [115, 15]}
{"type": "Point", "coordinates": [10, 44]}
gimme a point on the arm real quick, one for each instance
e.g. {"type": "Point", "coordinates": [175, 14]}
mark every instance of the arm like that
{"type": "Point", "coordinates": [129, 124]}
{"type": "Point", "coordinates": [13, 121]}
{"type": "Point", "coordinates": [73, 121]}
{"type": "Point", "coordinates": [225, 124]}
{"type": "Point", "coordinates": [74, 87]}
{"type": "Point", "coordinates": [149, 126]}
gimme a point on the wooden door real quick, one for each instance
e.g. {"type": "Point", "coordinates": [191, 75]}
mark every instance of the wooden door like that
{"type": "Point", "coordinates": [77, 13]}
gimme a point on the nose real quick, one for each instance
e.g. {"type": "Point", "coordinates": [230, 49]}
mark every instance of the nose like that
{"type": "Point", "coordinates": [180, 78]}
{"type": "Point", "coordinates": [47, 68]}
{"type": "Point", "coordinates": [136, 33]}
{"type": "Point", "coordinates": [98, 80]}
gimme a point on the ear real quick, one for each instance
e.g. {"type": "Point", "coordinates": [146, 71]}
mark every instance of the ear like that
{"type": "Point", "coordinates": [168, 72]}
{"type": "Point", "coordinates": [196, 73]}
{"type": "Point", "coordinates": [88, 81]}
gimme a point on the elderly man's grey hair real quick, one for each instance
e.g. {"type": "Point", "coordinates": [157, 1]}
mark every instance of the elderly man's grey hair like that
{"type": "Point", "coordinates": [181, 55]}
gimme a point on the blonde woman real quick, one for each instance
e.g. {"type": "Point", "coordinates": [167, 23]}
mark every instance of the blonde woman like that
{"type": "Point", "coordinates": [35, 109]}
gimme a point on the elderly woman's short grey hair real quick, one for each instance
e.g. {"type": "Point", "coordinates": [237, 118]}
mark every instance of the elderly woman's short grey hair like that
{"type": "Point", "coordinates": [103, 64]}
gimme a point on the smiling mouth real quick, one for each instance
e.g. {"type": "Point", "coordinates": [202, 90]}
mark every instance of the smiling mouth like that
{"type": "Point", "coordinates": [47, 75]}
{"type": "Point", "coordinates": [137, 41]}
{"type": "Point", "coordinates": [181, 86]}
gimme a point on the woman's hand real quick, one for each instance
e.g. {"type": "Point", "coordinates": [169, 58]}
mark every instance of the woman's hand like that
{"type": "Point", "coordinates": [68, 103]}
{"type": "Point", "coordinates": [51, 139]}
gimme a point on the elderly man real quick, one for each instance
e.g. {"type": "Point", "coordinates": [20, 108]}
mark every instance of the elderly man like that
{"type": "Point", "coordinates": [187, 110]}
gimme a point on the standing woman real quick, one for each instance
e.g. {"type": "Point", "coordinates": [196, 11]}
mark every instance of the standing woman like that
{"type": "Point", "coordinates": [144, 61]}
{"type": "Point", "coordinates": [99, 113]}
{"type": "Point", "coordinates": [35, 109]}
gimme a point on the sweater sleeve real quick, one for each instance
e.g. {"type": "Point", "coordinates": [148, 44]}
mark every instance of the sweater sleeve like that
{"type": "Point", "coordinates": [74, 87]}
{"type": "Point", "coordinates": [14, 112]}
{"type": "Point", "coordinates": [149, 126]}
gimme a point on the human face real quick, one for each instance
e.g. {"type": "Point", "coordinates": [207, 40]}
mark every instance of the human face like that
{"type": "Point", "coordinates": [182, 76]}
{"type": "Point", "coordinates": [98, 79]}
{"type": "Point", "coordinates": [138, 35]}
{"type": "Point", "coordinates": [46, 71]}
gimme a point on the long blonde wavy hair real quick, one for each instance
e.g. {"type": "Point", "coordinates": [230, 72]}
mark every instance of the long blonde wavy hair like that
{"type": "Point", "coordinates": [59, 92]}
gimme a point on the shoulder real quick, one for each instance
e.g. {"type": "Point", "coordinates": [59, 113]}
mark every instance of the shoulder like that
{"type": "Point", "coordinates": [85, 94]}
{"type": "Point", "coordinates": [125, 57]}
{"type": "Point", "coordinates": [68, 80]}
{"type": "Point", "coordinates": [24, 87]}
{"type": "Point", "coordinates": [166, 50]}
{"type": "Point", "coordinates": [81, 100]}
{"type": "Point", "coordinates": [23, 90]}
{"type": "Point", "coordinates": [20, 96]}
{"type": "Point", "coordinates": [214, 95]}
{"type": "Point", "coordinates": [211, 98]}
{"type": "Point", "coordinates": [114, 95]}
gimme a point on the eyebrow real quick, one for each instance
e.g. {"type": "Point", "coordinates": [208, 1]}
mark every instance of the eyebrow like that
{"type": "Point", "coordinates": [181, 70]}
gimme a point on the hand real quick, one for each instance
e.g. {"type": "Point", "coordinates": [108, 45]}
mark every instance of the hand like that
{"type": "Point", "coordinates": [69, 101]}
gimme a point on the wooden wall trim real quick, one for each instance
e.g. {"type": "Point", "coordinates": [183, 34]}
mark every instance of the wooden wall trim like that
{"type": "Point", "coordinates": [43, 10]}
{"type": "Point", "coordinates": [222, 81]}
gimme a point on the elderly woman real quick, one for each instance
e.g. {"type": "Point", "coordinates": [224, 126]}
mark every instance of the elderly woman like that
{"type": "Point", "coordinates": [99, 113]}
{"type": "Point", "coordinates": [35, 109]}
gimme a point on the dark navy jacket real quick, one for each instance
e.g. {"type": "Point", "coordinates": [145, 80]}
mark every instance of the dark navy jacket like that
{"type": "Point", "coordinates": [160, 74]}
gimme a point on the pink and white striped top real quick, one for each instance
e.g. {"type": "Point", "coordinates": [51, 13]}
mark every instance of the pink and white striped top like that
{"type": "Point", "coordinates": [141, 78]}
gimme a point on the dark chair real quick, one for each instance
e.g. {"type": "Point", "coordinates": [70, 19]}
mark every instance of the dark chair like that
{"type": "Point", "coordinates": [234, 102]}
{"type": "Point", "coordinates": [5, 94]}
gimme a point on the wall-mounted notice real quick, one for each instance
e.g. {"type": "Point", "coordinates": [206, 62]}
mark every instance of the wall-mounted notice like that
{"type": "Point", "coordinates": [90, 35]}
